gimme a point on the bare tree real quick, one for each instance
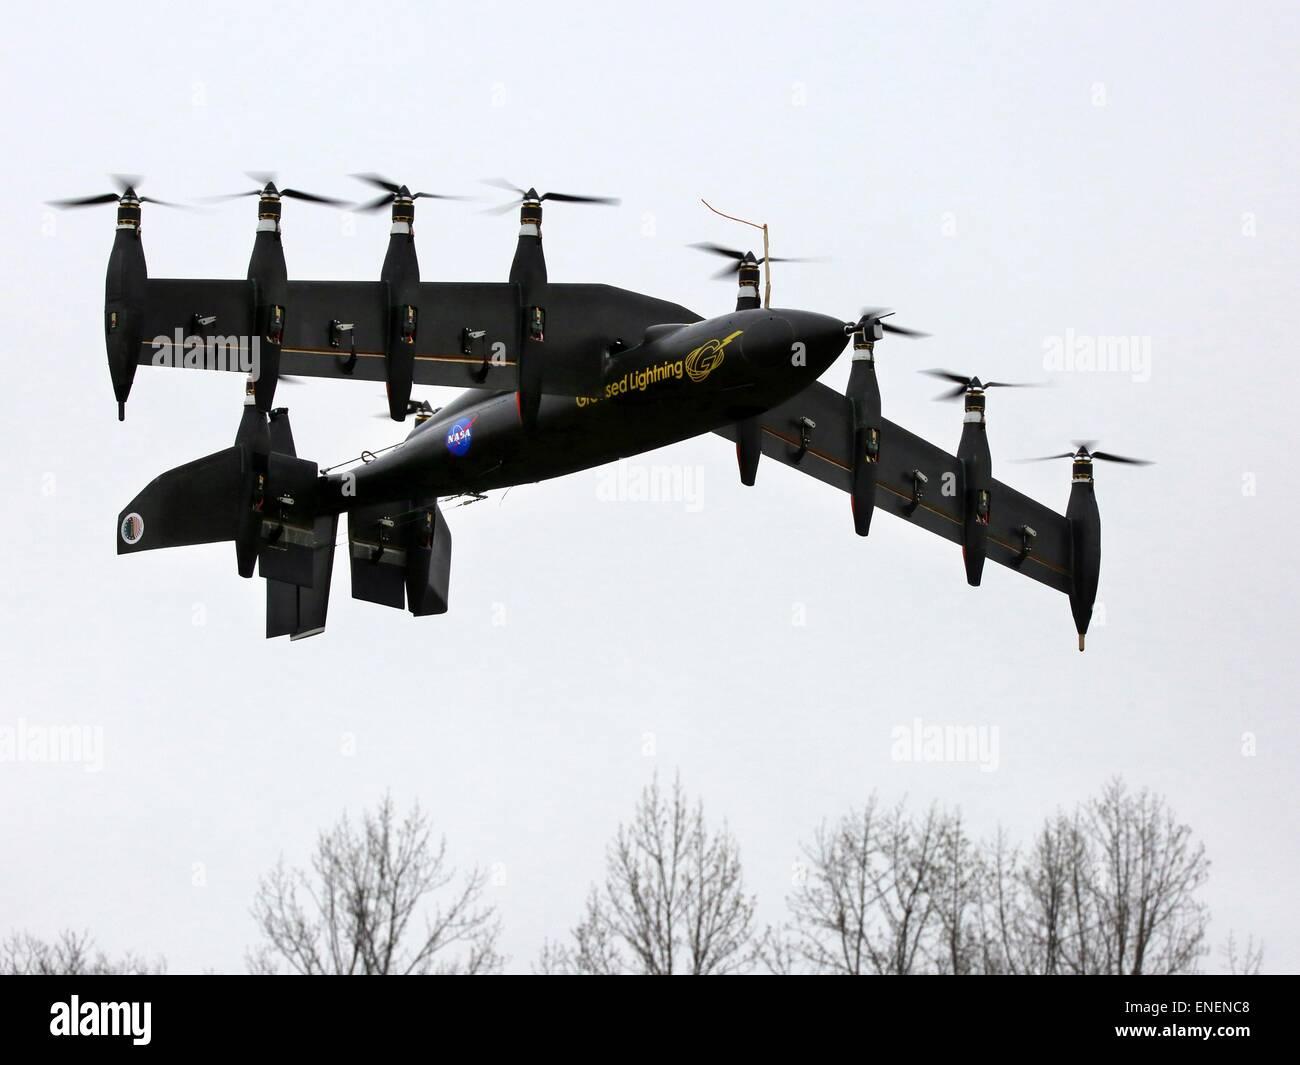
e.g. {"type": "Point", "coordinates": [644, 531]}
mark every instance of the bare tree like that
{"type": "Point", "coordinates": [378, 900]}
{"type": "Point", "coordinates": [956, 878]}
{"type": "Point", "coordinates": [1109, 888]}
{"type": "Point", "coordinates": [995, 906]}
{"type": "Point", "coordinates": [866, 896]}
{"type": "Point", "coordinates": [69, 954]}
{"type": "Point", "coordinates": [1044, 919]}
{"type": "Point", "coordinates": [673, 900]}
{"type": "Point", "coordinates": [1146, 871]}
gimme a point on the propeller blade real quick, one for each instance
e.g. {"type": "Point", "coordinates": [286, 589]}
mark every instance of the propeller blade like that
{"type": "Point", "coordinates": [1011, 384]}
{"type": "Point", "coordinates": [560, 197]}
{"type": "Point", "coordinates": [1107, 456]}
{"type": "Point", "coordinates": [564, 197]}
{"type": "Point", "coordinates": [230, 196]}
{"type": "Point", "coordinates": [375, 204]}
{"type": "Point", "coordinates": [261, 177]}
{"type": "Point", "coordinates": [439, 196]}
{"type": "Point", "coordinates": [1048, 458]}
{"type": "Point", "coordinates": [311, 197]}
{"type": "Point", "coordinates": [719, 249]}
{"type": "Point", "coordinates": [960, 390]}
{"type": "Point", "coordinates": [880, 314]}
{"type": "Point", "coordinates": [378, 182]}
{"type": "Point", "coordinates": [124, 182]}
{"type": "Point", "coordinates": [502, 183]}
{"type": "Point", "coordinates": [287, 194]}
{"type": "Point", "coordinates": [948, 375]}
{"type": "Point", "coordinates": [737, 256]}
{"type": "Point", "coordinates": [86, 201]}
{"type": "Point", "coordinates": [902, 330]}
{"type": "Point", "coordinates": [1084, 450]}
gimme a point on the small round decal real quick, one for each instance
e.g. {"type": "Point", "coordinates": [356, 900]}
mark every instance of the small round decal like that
{"type": "Point", "coordinates": [132, 528]}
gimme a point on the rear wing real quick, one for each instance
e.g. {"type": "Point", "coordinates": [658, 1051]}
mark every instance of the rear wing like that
{"type": "Point", "coordinates": [468, 336]}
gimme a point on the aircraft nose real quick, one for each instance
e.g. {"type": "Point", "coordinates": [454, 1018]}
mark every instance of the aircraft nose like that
{"type": "Point", "coordinates": [822, 336]}
{"type": "Point", "coordinates": [780, 335]}
{"type": "Point", "coordinates": [769, 339]}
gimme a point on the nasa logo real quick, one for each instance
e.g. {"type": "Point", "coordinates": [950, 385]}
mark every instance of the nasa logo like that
{"type": "Point", "coordinates": [132, 528]}
{"type": "Point", "coordinates": [460, 435]}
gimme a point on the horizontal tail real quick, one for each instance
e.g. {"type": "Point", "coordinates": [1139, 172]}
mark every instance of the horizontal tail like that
{"type": "Point", "coordinates": [197, 503]}
{"type": "Point", "coordinates": [262, 497]}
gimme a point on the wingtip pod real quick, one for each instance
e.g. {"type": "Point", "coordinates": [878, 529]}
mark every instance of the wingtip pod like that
{"type": "Point", "coordinates": [1085, 536]}
{"type": "Point", "coordinates": [124, 297]}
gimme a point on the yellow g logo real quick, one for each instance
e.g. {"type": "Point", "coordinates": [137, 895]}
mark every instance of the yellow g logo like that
{"type": "Point", "coordinates": [707, 357]}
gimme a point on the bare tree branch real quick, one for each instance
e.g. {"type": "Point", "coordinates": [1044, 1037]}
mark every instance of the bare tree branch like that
{"type": "Point", "coordinates": [70, 953]}
{"type": "Point", "coordinates": [1243, 960]}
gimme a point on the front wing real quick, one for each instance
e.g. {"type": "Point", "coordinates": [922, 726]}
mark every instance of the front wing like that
{"type": "Point", "coordinates": [901, 454]}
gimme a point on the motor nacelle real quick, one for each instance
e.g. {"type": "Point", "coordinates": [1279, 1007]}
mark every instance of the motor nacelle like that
{"type": "Point", "coordinates": [270, 277]}
{"type": "Point", "coordinates": [401, 272]}
{"type": "Point", "coordinates": [124, 295]}
{"type": "Point", "coordinates": [864, 397]}
{"type": "Point", "coordinates": [528, 271]}
{"type": "Point", "coordinates": [1085, 541]}
{"type": "Point", "coordinates": [399, 366]}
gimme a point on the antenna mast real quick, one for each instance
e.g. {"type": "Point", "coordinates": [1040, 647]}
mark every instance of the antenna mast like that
{"type": "Point", "coordinates": [767, 266]}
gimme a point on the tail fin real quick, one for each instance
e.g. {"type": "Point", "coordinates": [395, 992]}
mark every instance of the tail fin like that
{"type": "Point", "coordinates": [260, 495]}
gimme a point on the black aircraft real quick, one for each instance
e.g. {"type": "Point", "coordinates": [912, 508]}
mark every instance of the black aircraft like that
{"type": "Point", "coordinates": [559, 377]}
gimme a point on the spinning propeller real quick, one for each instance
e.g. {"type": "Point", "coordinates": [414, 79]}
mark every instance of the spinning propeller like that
{"type": "Point", "coordinates": [1084, 451]}
{"type": "Point", "coordinates": [966, 384]}
{"type": "Point", "coordinates": [527, 195]}
{"type": "Point", "coordinates": [267, 183]}
{"type": "Point", "coordinates": [392, 190]}
{"type": "Point", "coordinates": [125, 183]}
{"type": "Point", "coordinates": [878, 314]}
{"type": "Point", "coordinates": [740, 257]}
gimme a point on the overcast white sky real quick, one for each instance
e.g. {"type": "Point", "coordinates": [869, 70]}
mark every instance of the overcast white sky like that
{"type": "Point", "coordinates": [1003, 174]}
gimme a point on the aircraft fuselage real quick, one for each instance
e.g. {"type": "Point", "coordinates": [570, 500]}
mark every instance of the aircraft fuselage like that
{"type": "Point", "coordinates": [680, 382]}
